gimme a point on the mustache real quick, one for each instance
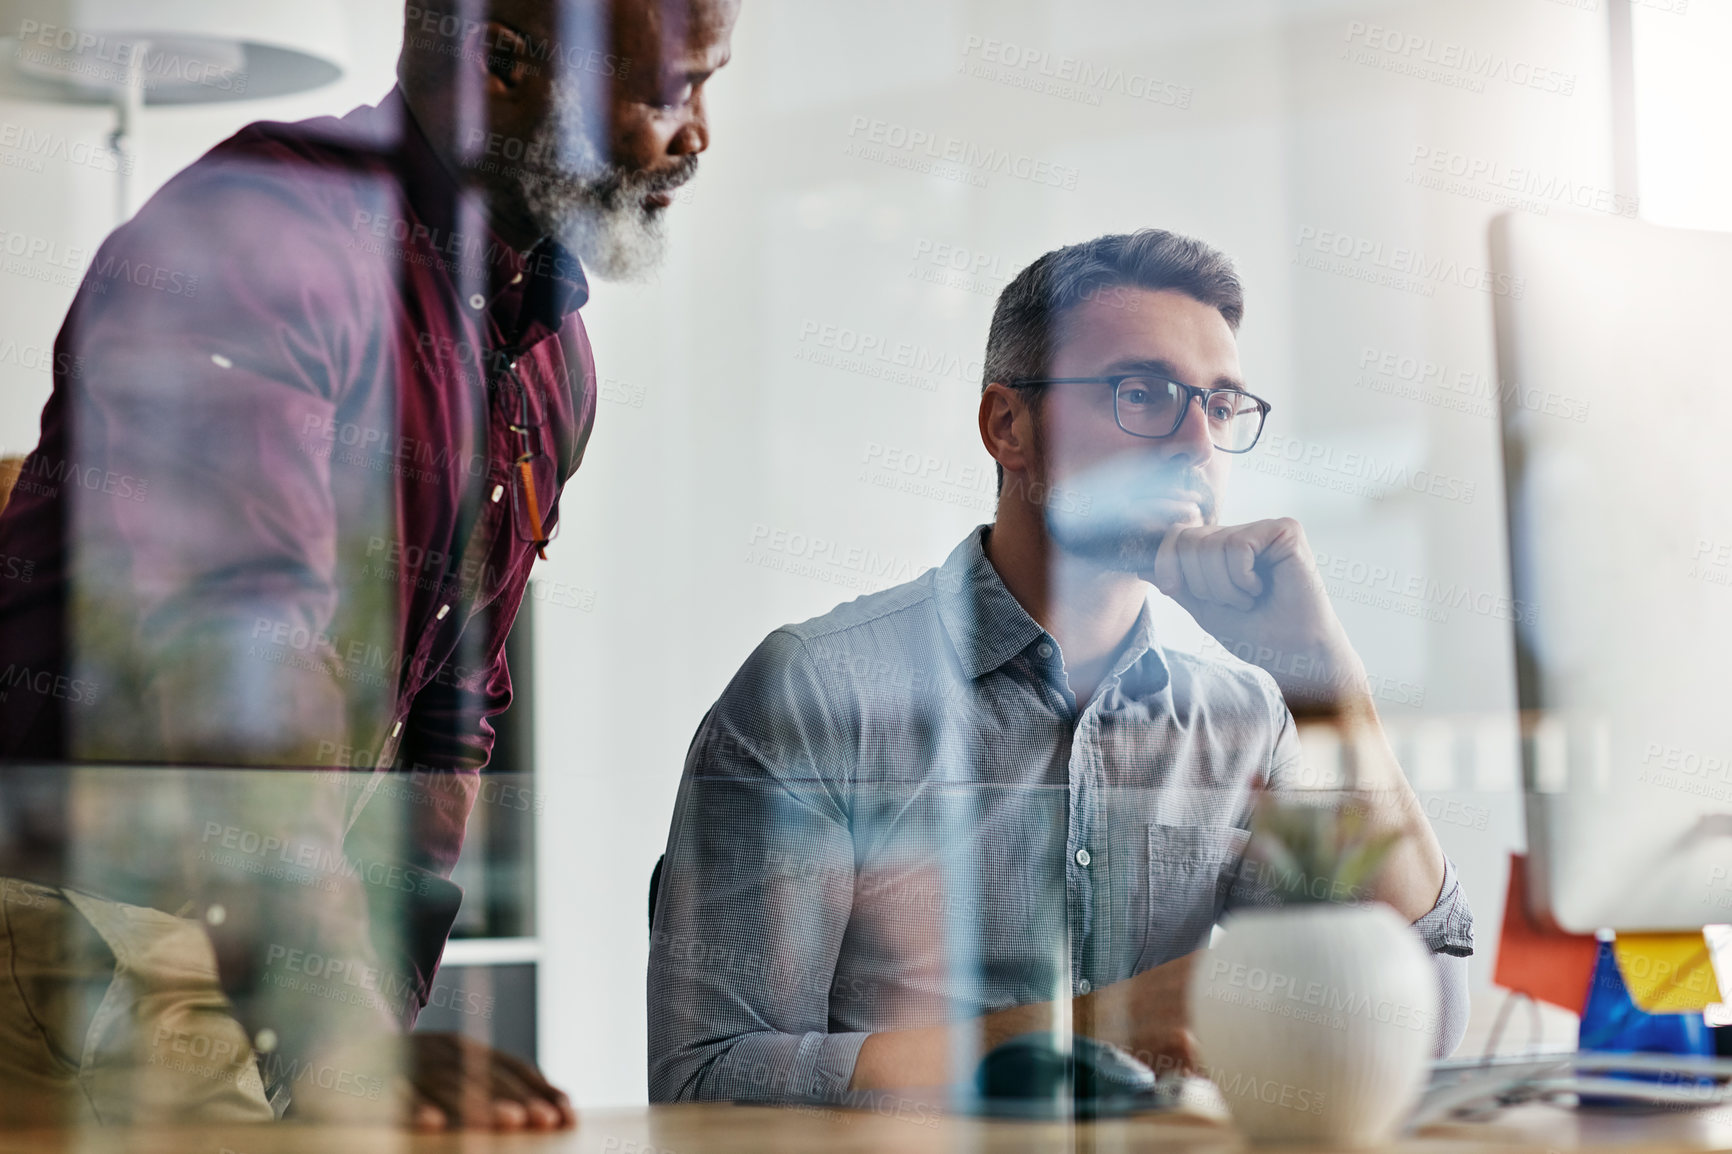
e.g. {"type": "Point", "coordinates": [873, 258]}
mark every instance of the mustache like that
{"type": "Point", "coordinates": [623, 186]}
{"type": "Point", "coordinates": [673, 179]}
{"type": "Point", "coordinates": [1192, 481]}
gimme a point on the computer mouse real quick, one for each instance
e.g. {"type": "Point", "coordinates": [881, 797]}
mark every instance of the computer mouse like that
{"type": "Point", "coordinates": [1048, 1067]}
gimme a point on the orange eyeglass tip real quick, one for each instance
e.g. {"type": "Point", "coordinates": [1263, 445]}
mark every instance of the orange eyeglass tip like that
{"type": "Point", "coordinates": [528, 475]}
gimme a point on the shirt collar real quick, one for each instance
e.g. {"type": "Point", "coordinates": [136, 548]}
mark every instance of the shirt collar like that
{"type": "Point", "coordinates": [988, 625]}
{"type": "Point", "coordinates": [556, 286]}
{"type": "Point", "coordinates": [528, 295]}
{"type": "Point", "coordinates": [1141, 667]}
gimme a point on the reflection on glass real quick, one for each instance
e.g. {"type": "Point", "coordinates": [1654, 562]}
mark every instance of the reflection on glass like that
{"type": "Point", "coordinates": [930, 841]}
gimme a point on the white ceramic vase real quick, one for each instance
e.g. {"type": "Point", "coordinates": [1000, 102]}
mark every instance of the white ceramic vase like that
{"type": "Point", "coordinates": [1316, 1021]}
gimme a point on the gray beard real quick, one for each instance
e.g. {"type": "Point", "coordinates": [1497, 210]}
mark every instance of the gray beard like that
{"type": "Point", "coordinates": [593, 207]}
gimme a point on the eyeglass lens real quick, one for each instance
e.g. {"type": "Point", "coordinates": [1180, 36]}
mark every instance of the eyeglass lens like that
{"type": "Point", "coordinates": [1152, 407]}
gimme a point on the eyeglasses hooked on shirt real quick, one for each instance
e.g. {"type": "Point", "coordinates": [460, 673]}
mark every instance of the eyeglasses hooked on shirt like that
{"type": "Point", "coordinates": [533, 475]}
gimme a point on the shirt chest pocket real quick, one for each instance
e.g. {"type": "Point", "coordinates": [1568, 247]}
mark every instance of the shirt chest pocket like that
{"type": "Point", "coordinates": [1189, 870]}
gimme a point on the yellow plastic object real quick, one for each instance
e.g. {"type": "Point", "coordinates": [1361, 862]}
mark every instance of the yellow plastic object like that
{"type": "Point", "coordinates": [1667, 973]}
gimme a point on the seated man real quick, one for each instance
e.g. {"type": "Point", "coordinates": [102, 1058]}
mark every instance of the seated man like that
{"type": "Point", "coordinates": [993, 800]}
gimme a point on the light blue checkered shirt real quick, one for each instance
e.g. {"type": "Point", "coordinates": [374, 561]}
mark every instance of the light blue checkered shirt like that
{"type": "Point", "coordinates": [896, 816]}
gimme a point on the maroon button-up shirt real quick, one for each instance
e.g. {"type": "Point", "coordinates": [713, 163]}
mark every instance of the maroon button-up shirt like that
{"type": "Point", "coordinates": [273, 516]}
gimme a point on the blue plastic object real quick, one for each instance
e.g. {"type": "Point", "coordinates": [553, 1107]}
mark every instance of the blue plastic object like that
{"type": "Point", "coordinates": [1613, 1023]}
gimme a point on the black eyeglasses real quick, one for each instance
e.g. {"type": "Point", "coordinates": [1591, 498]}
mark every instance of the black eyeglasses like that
{"type": "Point", "coordinates": [1154, 407]}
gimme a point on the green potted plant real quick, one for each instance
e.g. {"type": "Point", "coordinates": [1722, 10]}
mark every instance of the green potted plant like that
{"type": "Point", "coordinates": [1316, 1010]}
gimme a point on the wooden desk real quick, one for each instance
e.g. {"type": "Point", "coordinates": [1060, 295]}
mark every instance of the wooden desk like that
{"type": "Point", "coordinates": [744, 1130]}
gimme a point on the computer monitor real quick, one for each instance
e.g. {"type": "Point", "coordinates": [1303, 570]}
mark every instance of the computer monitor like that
{"type": "Point", "coordinates": [1616, 397]}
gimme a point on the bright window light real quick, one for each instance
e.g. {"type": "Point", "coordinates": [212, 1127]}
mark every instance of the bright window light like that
{"type": "Point", "coordinates": [1683, 91]}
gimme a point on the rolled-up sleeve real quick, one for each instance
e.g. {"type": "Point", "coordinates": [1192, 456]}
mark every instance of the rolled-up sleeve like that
{"type": "Point", "coordinates": [1446, 929]}
{"type": "Point", "coordinates": [755, 896]}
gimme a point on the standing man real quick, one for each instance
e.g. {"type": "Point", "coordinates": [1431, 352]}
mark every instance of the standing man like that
{"type": "Point", "coordinates": [315, 408]}
{"type": "Point", "coordinates": [993, 800]}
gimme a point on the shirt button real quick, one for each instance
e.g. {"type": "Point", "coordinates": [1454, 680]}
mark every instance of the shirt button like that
{"type": "Point", "coordinates": [1083, 987]}
{"type": "Point", "coordinates": [443, 610]}
{"type": "Point", "coordinates": [396, 729]}
{"type": "Point", "coordinates": [1044, 649]}
{"type": "Point", "coordinates": [498, 492]}
{"type": "Point", "coordinates": [477, 302]}
{"type": "Point", "coordinates": [1083, 858]}
{"type": "Point", "coordinates": [518, 279]}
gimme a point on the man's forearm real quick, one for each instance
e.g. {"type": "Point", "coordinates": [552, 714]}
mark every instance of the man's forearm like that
{"type": "Point", "coordinates": [895, 1059]}
{"type": "Point", "coordinates": [1412, 876]}
{"type": "Point", "coordinates": [1147, 1015]}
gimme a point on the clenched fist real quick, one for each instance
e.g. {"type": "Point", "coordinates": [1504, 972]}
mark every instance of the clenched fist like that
{"type": "Point", "coordinates": [1256, 589]}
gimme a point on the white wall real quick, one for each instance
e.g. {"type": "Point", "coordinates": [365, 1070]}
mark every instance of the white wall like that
{"type": "Point", "coordinates": [717, 423]}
